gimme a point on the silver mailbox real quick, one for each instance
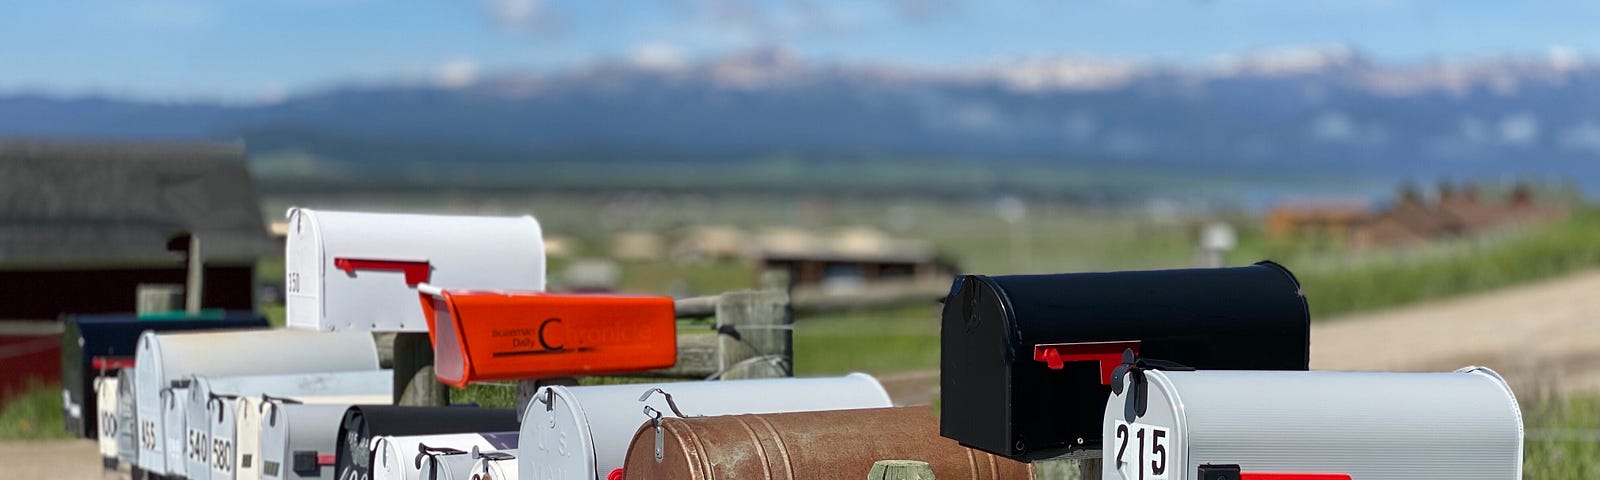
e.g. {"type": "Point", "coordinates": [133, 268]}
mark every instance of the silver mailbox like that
{"type": "Point", "coordinates": [357, 271]}
{"type": "Point", "coordinates": [165, 360]}
{"type": "Point", "coordinates": [297, 440]}
{"type": "Point", "coordinates": [1463, 425]}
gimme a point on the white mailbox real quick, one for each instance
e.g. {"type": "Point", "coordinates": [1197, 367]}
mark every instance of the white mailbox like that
{"type": "Point", "coordinates": [105, 391]}
{"type": "Point", "coordinates": [165, 360]}
{"type": "Point", "coordinates": [584, 432]}
{"type": "Point", "coordinates": [298, 440]}
{"type": "Point", "coordinates": [358, 271]}
{"type": "Point", "coordinates": [1169, 425]}
{"type": "Point", "coordinates": [494, 466]}
{"type": "Point", "coordinates": [204, 389]}
{"type": "Point", "coordinates": [401, 458]}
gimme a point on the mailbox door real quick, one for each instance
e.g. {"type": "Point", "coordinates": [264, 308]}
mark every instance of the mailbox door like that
{"type": "Point", "coordinates": [105, 390]}
{"type": "Point", "coordinates": [174, 415]}
{"type": "Point", "coordinates": [127, 417]}
{"type": "Point", "coordinates": [224, 433]}
{"type": "Point", "coordinates": [247, 438]}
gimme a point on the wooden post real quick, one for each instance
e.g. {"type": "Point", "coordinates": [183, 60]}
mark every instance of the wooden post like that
{"type": "Point", "coordinates": [765, 326]}
{"type": "Point", "coordinates": [414, 382]}
{"type": "Point", "coordinates": [900, 470]}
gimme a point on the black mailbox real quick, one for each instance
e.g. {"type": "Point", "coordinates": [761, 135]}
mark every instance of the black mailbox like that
{"type": "Point", "coordinates": [998, 398]}
{"type": "Point", "coordinates": [92, 345]}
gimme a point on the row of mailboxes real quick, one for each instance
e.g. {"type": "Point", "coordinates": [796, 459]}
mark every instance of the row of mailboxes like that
{"type": "Point", "coordinates": [997, 398]}
{"type": "Point", "coordinates": [434, 457]}
{"type": "Point", "coordinates": [583, 432]}
{"type": "Point", "coordinates": [358, 271]}
{"type": "Point", "coordinates": [363, 424]}
{"type": "Point", "coordinates": [167, 362]}
{"type": "Point", "coordinates": [1352, 425]}
{"type": "Point", "coordinates": [97, 345]}
{"type": "Point", "coordinates": [213, 398]}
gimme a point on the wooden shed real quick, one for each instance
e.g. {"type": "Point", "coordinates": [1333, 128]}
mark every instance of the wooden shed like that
{"type": "Point", "coordinates": [84, 225]}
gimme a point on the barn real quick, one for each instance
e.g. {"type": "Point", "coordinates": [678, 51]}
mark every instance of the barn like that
{"type": "Point", "coordinates": [86, 227]}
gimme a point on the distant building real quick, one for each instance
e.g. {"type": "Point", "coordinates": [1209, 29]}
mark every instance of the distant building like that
{"type": "Point", "coordinates": [848, 259]}
{"type": "Point", "coordinates": [1412, 219]}
{"type": "Point", "coordinates": [1320, 217]}
{"type": "Point", "coordinates": [84, 225]}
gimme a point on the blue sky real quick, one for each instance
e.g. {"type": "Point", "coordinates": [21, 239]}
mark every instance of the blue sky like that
{"type": "Point", "coordinates": [248, 50]}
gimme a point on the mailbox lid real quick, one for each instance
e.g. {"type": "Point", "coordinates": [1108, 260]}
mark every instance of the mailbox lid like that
{"type": "Point", "coordinates": [501, 335]}
{"type": "Point", "coordinates": [1369, 425]}
{"type": "Point", "coordinates": [998, 399]}
{"type": "Point", "coordinates": [828, 444]}
{"type": "Point", "coordinates": [599, 420]}
{"type": "Point", "coordinates": [459, 252]}
{"type": "Point", "coordinates": [362, 423]}
{"type": "Point", "coordinates": [247, 437]}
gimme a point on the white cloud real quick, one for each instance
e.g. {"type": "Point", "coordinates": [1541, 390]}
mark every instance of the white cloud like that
{"type": "Point", "coordinates": [658, 56]}
{"type": "Point", "coordinates": [522, 15]}
{"type": "Point", "coordinates": [457, 73]}
{"type": "Point", "coordinates": [1333, 127]}
{"type": "Point", "coordinates": [1519, 129]}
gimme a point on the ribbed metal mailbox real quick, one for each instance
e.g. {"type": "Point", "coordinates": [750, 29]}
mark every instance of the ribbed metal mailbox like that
{"type": "Point", "coordinates": [105, 392]}
{"type": "Point", "coordinates": [364, 423]}
{"type": "Point", "coordinates": [805, 445]}
{"type": "Point", "coordinates": [96, 345]}
{"type": "Point", "coordinates": [207, 392]}
{"type": "Point", "coordinates": [298, 440]}
{"type": "Point", "coordinates": [439, 457]}
{"type": "Point", "coordinates": [503, 335]}
{"type": "Point", "coordinates": [1357, 425]}
{"type": "Point", "coordinates": [356, 271]}
{"type": "Point", "coordinates": [583, 432]}
{"type": "Point", "coordinates": [997, 398]}
{"type": "Point", "coordinates": [168, 359]}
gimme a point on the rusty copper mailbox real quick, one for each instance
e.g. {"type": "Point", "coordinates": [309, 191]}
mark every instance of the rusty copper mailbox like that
{"type": "Point", "coordinates": [805, 445]}
{"type": "Point", "coordinates": [1009, 371]}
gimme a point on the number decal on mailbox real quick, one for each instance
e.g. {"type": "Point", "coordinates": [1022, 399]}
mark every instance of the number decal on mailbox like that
{"type": "Point", "coordinates": [1148, 460]}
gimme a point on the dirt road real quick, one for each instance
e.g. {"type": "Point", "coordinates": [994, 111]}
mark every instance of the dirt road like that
{"type": "Point", "coordinates": [1542, 335]}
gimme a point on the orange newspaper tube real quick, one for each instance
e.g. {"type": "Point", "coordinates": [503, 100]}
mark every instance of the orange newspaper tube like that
{"type": "Point", "coordinates": [492, 335]}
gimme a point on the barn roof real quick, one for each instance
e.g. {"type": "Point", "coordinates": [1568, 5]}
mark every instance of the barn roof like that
{"type": "Point", "coordinates": [97, 204]}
